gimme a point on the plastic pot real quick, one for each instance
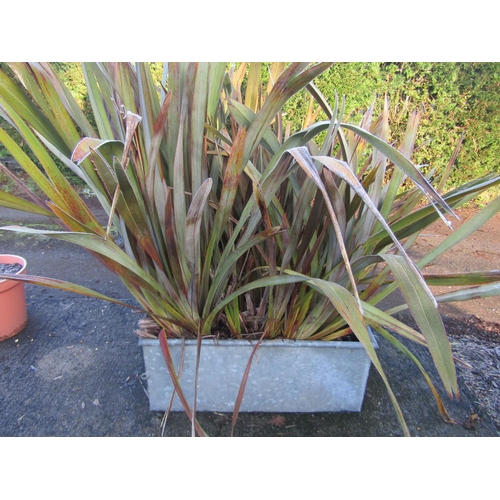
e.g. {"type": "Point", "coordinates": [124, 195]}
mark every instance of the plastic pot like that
{"type": "Point", "coordinates": [13, 311]}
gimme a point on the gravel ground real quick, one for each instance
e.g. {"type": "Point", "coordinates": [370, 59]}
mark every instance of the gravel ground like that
{"type": "Point", "coordinates": [476, 343]}
{"type": "Point", "coordinates": [480, 348]}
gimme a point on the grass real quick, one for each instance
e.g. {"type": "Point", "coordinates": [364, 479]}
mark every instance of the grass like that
{"type": "Point", "coordinates": [5, 183]}
{"type": "Point", "coordinates": [9, 186]}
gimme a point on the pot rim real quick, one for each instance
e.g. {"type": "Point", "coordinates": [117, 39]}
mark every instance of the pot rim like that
{"type": "Point", "coordinates": [265, 343]}
{"type": "Point", "coordinates": [6, 258]}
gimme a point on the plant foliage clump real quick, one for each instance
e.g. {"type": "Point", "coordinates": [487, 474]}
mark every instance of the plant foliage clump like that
{"type": "Point", "coordinates": [232, 222]}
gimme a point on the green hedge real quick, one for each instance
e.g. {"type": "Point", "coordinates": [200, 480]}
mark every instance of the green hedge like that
{"type": "Point", "coordinates": [453, 98]}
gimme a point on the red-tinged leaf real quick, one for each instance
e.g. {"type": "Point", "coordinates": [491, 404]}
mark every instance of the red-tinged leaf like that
{"type": "Point", "coordinates": [67, 287]}
{"type": "Point", "coordinates": [175, 380]}
{"type": "Point", "coordinates": [229, 191]}
{"type": "Point", "coordinates": [304, 159]}
{"type": "Point", "coordinates": [159, 130]}
{"type": "Point", "coordinates": [193, 223]}
{"type": "Point", "coordinates": [226, 266]}
{"type": "Point", "coordinates": [344, 303]}
{"type": "Point", "coordinates": [112, 254]}
{"type": "Point", "coordinates": [294, 78]}
{"type": "Point", "coordinates": [83, 148]}
{"type": "Point", "coordinates": [131, 207]}
{"type": "Point", "coordinates": [244, 380]}
{"type": "Point", "coordinates": [342, 170]}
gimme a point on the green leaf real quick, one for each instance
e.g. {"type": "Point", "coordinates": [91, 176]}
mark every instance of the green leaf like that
{"type": "Point", "coordinates": [253, 91]}
{"type": "Point", "coordinates": [293, 79]}
{"type": "Point", "coordinates": [12, 97]}
{"type": "Point", "coordinates": [463, 279]}
{"type": "Point", "coordinates": [245, 117]}
{"type": "Point", "coordinates": [401, 347]}
{"type": "Point", "coordinates": [477, 292]}
{"type": "Point", "coordinates": [10, 201]}
{"type": "Point", "coordinates": [463, 232]}
{"type": "Point", "coordinates": [403, 163]}
{"type": "Point", "coordinates": [226, 266]}
{"type": "Point", "coordinates": [197, 114]}
{"type": "Point", "coordinates": [100, 100]}
{"type": "Point", "coordinates": [428, 319]}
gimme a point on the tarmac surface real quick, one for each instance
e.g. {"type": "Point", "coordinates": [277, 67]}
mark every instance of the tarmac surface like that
{"type": "Point", "coordinates": [77, 369]}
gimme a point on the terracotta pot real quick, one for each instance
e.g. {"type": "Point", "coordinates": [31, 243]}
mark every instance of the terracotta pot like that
{"type": "Point", "coordinates": [13, 312]}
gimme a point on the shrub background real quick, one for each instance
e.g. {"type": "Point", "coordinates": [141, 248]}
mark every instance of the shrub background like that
{"type": "Point", "coordinates": [453, 97]}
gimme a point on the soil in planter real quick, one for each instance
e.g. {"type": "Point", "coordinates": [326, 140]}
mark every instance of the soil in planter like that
{"type": "Point", "coordinates": [10, 268]}
{"type": "Point", "coordinates": [149, 329]}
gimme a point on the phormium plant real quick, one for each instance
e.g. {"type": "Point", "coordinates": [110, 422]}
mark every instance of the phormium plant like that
{"type": "Point", "coordinates": [231, 225]}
